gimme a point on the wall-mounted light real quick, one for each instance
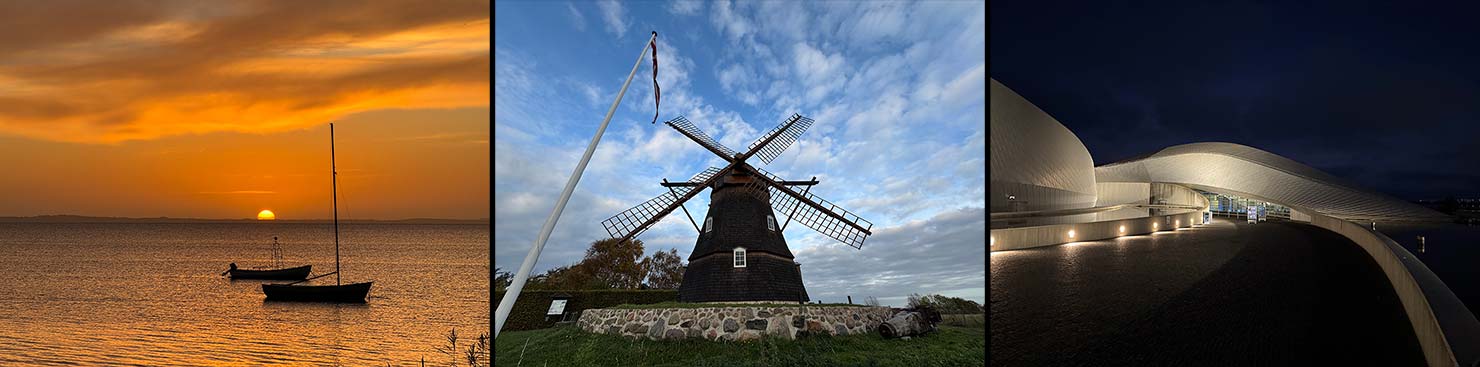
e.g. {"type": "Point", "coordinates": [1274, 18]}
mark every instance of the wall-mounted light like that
{"type": "Point", "coordinates": [1122, 229]}
{"type": "Point", "coordinates": [1154, 225]}
{"type": "Point", "coordinates": [1179, 223]}
{"type": "Point", "coordinates": [994, 240]}
{"type": "Point", "coordinates": [1071, 233]}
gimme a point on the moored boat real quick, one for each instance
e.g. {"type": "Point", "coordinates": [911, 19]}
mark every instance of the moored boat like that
{"type": "Point", "coordinates": [352, 293]}
{"type": "Point", "coordinates": [275, 272]}
{"type": "Point", "coordinates": [339, 292]}
{"type": "Point", "coordinates": [298, 273]}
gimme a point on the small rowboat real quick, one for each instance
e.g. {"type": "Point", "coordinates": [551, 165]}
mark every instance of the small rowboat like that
{"type": "Point", "coordinates": [298, 273]}
{"type": "Point", "coordinates": [276, 272]}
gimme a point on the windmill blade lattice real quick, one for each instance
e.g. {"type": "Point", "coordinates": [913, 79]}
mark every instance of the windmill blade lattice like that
{"type": "Point", "coordinates": [629, 222]}
{"type": "Point", "coordinates": [835, 222]}
{"type": "Point", "coordinates": [789, 130]}
{"type": "Point", "coordinates": [817, 220]}
{"type": "Point", "coordinates": [688, 129]}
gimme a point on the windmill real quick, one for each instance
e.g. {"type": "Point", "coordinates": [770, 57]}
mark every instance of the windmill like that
{"type": "Point", "coordinates": [740, 254]}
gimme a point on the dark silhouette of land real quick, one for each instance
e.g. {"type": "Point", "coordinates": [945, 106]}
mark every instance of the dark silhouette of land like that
{"type": "Point", "coordinates": [87, 219]}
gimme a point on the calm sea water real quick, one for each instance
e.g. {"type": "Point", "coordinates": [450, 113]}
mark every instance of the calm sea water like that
{"type": "Point", "coordinates": [152, 294]}
{"type": "Point", "coordinates": [1450, 251]}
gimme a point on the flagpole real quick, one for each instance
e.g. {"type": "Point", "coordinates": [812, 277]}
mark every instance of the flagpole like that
{"type": "Point", "coordinates": [512, 293]}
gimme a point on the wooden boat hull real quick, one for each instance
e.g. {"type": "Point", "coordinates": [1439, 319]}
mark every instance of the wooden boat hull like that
{"type": "Point", "coordinates": [298, 273]}
{"type": "Point", "coordinates": [349, 293]}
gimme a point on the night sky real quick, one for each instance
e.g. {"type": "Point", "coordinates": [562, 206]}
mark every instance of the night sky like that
{"type": "Point", "coordinates": [1385, 95]}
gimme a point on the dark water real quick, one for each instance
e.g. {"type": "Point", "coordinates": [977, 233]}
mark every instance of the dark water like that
{"type": "Point", "coordinates": [1451, 251]}
{"type": "Point", "coordinates": [152, 294]}
{"type": "Point", "coordinates": [1222, 294]}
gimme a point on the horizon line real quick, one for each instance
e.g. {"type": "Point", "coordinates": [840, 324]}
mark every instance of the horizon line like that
{"type": "Point", "coordinates": [79, 216]}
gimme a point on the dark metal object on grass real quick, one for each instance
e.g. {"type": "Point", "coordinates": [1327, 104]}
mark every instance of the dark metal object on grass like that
{"type": "Point", "coordinates": [910, 322]}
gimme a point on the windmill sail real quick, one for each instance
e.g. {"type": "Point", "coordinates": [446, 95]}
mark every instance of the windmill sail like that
{"type": "Point", "coordinates": [788, 130]}
{"type": "Point", "coordinates": [688, 129]}
{"type": "Point", "coordinates": [629, 223]}
{"type": "Point", "coordinates": [812, 211]}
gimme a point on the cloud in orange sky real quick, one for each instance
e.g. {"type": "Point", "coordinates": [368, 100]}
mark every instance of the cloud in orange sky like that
{"type": "Point", "coordinates": [104, 72]}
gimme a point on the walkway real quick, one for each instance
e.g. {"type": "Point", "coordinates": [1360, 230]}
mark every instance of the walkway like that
{"type": "Point", "coordinates": [1225, 293]}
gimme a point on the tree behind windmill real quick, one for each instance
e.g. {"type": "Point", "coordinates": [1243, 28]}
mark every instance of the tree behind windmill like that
{"type": "Point", "coordinates": [615, 264]}
{"type": "Point", "coordinates": [664, 270]}
{"type": "Point", "coordinates": [610, 264]}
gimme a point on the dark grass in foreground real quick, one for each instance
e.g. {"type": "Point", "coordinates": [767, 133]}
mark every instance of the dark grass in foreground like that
{"type": "Point", "coordinates": [568, 346]}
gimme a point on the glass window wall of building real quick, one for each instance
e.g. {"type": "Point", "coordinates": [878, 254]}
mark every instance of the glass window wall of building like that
{"type": "Point", "coordinates": [1233, 206]}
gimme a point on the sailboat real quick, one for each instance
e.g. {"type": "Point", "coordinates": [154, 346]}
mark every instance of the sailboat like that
{"type": "Point", "coordinates": [339, 292]}
{"type": "Point", "coordinates": [276, 272]}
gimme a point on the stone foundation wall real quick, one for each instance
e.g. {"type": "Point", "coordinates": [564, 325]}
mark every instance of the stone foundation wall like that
{"type": "Point", "coordinates": [733, 323]}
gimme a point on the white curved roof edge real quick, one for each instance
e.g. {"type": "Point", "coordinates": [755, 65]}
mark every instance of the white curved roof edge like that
{"type": "Point", "coordinates": [1247, 171]}
{"type": "Point", "coordinates": [1029, 146]}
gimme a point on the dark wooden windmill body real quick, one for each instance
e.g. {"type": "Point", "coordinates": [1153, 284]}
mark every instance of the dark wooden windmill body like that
{"type": "Point", "coordinates": [741, 255]}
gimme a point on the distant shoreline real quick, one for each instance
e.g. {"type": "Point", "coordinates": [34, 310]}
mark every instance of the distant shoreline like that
{"type": "Point", "coordinates": [87, 219]}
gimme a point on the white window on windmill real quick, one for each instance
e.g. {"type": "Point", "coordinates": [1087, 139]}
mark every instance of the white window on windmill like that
{"type": "Point", "coordinates": [739, 257]}
{"type": "Point", "coordinates": [771, 222]}
{"type": "Point", "coordinates": [708, 224]}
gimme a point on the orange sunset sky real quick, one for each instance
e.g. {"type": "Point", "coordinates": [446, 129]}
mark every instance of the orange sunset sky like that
{"type": "Point", "coordinates": [210, 109]}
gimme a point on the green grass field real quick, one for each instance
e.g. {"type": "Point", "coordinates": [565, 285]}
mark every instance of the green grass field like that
{"type": "Point", "coordinates": [568, 346]}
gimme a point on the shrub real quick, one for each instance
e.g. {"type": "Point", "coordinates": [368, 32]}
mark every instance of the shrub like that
{"type": "Point", "coordinates": [945, 305]}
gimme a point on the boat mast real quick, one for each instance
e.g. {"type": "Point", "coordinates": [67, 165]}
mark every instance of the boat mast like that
{"type": "Point", "coordinates": [334, 192]}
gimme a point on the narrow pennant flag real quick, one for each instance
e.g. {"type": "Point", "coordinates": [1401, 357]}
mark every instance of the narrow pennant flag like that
{"type": "Point", "coordinates": [657, 95]}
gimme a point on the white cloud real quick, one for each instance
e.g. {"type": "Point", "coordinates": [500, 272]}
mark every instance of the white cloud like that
{"type": "Point", "coordinates": [732, 76]}
{"type": "Point", "coordinates": [876, 74]}
{"type": "Point", "coordinates": [593, 94]}
{"type": "Point", "coordinates": [738, 81]}
{"type": "Point", "coordinates": [969, 87]}
{"type": "Point", "coordinates": [879, 22]}
{"type": "Point", "coordinates": [685, 7]}
{"type": "Point", "coordinates": [785, 20]}
{"type": "Point", "coordinates": [882, 120]}
{"type": "Point", "coordinates": [517, 94]}
{"type": "Point", "coordinates": [822, 73]}
{"type": "Point", "coordinates": [576, 18]}
{"type": "Point", "coordinates": [730, 22]}
{"type": "Point", "coordinates": [614, 15]}
{"type": "Point", "coordinates": [665, 144]}
{"type": "Point", "coordinates": [945, 253]}
{"type": "Point", "coordinates": [814, 65]}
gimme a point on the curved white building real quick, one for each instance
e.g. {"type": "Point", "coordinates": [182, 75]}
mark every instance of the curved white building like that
{"type": "Point", "coordinates": [1042, 174]}
{"type": "Point", "coordinates": [1036, 161]}
{"type": "Point", "coordinates": [1245, 171]}
{"type": "Point", "coordinates": [1059, 197]}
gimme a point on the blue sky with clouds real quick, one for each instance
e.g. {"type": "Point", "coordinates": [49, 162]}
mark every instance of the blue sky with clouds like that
{"type": "Point", "coordinates": [897, 90]}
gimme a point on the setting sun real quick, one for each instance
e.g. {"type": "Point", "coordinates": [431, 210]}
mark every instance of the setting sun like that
{"type": "Point", "coordinates": [266, 215]}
